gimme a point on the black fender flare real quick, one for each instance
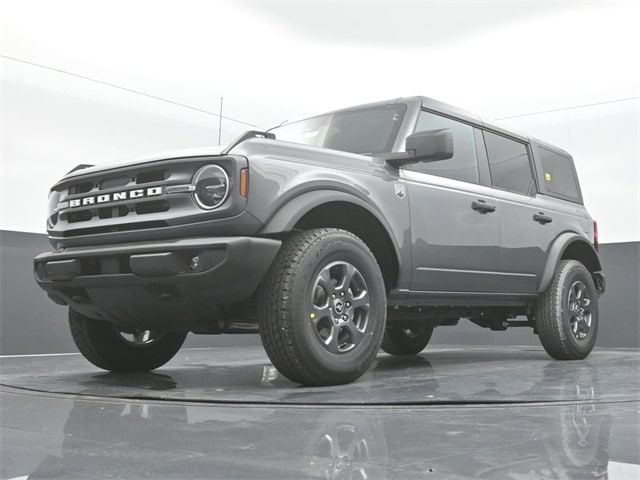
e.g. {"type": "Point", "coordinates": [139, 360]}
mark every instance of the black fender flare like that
{"type": "Point", "coordinates": [293, 210]}
{"type": "Point", "coordinates": [557, 250]}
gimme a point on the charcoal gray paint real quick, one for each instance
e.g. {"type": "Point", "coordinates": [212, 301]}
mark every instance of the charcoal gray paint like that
{"type": "Point", "coordinates": [30, 323]}
{"type": "Point", "coordinates": [434, 260]}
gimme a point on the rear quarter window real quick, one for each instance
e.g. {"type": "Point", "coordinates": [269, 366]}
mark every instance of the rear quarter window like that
{"type": "Point", "coordinates": [558, 176]}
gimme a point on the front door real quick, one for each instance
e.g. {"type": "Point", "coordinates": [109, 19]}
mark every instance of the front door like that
{"type": "Point", "coordinates": [455, 247]}
{"type": "Point", "coordinates": [455, 227]}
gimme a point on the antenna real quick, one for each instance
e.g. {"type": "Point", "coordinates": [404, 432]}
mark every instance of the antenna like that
{"type": "Point", "coordinates": [220, 123]}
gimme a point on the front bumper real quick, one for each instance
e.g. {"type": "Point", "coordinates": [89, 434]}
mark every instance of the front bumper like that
{"type": "Point", "coordinates": [155, 284]}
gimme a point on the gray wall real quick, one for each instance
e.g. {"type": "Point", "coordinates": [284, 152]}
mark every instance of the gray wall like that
{"type": "Point", "coordinates": [30, 323]}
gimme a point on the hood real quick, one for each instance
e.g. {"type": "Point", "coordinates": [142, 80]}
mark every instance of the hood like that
{"type": "Point", "coordinates": [167, 155]}
{"type": "Point", "coordinates": [299, 153]}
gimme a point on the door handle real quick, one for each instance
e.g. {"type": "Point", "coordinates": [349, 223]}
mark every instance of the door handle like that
{"type": "Point", "coordinates": [541, 218]}
{"type": "Point", "coordinates": [482, 206]}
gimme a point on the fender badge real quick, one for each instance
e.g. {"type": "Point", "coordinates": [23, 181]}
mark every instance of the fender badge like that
{"type": "Point", "coordinates": [399, 189]}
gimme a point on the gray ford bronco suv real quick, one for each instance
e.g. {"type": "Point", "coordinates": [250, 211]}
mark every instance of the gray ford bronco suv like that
{"type": "Point", "coordinates": [333, 237]}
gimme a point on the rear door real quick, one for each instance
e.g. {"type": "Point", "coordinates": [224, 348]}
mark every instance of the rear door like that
{"type": "Point", "coordinates": [455, 228]}
{"type": "Point", "coordinates": [527, 225]}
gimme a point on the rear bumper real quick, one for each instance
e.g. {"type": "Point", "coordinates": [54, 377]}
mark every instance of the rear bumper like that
{"type": "Point", "coordinates": [171, 283]}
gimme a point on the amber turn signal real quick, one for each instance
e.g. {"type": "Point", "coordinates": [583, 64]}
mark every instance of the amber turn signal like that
{"type": "Point", "coordinates": [244, 182]}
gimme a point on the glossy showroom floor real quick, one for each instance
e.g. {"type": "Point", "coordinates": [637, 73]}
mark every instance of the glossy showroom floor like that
{"type": "Point", "coordinates": [456, 412]}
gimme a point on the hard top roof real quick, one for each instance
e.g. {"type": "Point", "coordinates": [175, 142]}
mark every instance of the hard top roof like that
{"type": "Point", "coordinates": [451, 111]}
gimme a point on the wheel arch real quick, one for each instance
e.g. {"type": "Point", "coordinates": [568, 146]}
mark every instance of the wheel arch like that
{"type": "Point", "coordinates": [569, 246]}
{"type": "Point", "coordinates": [334, 209]}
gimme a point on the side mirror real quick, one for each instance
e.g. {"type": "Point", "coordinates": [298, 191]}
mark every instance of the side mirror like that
{"type": "Point", "coordinates": [425, 146]}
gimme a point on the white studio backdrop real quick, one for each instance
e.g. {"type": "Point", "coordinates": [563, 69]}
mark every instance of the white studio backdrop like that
{"type": "Point", "coordinates": [104, 81]}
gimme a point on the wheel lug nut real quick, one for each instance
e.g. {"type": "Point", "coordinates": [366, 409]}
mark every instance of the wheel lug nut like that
{"type": "Point", "coordinates": [342, 294]}
{"type": "Point", "coordinates": [348, 305]}
{"type": "Point", "coordinates": [344, 317]}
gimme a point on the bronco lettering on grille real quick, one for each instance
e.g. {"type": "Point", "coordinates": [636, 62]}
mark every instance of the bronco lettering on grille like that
{"type": "Point", "coordinates": [115, 197]}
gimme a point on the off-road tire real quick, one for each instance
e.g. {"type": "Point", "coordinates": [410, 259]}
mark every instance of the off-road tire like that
{"type": "Point", "coordinates": [553, 315]}
{"type": "Point", "coordinates": [403, 341]}
{"type": "Point", "coordinates": [286, 315]}
{"type": "Point", "coordinates": [101, 343]}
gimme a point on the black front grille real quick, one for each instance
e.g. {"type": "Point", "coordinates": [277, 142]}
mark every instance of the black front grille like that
{"type": "Point", "coordinates": [80, 188]}
{"type": "Point", "coordinates": [155, 206]}
{"type": "Point", "coordinates": [104, 206]}
{"type": "Point", "coordinates": [114, 182]}
{"type": "Point", "coordinates": [128, 198]}
{"type": "Point", "coordinates": [113, 212]}
{"type": "Point", "coordinates": [79, 216]}
{"type": "Point", "coordinates": [151, 176]}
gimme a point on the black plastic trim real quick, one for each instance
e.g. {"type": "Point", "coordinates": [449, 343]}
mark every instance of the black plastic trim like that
{"type": "Point", "coordinates": [246, 136]}
{"type": "Point", "coordinates": [153, 282]}
{"type": "Point", "coordinates": [559, 246]}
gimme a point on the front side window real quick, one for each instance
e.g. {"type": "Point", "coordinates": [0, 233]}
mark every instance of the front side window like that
{"type": "Point", "coordinates": [464, 163]}
{"type": "Point", "coordinates": [558, 175]}
{"type": "Point", "coordinates": [509, 164]}
{"type": "Point", "coordinates": [366, 130]}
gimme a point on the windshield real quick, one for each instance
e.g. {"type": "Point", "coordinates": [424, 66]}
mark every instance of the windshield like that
{"type": "Point", "coordinates": [367, 130]}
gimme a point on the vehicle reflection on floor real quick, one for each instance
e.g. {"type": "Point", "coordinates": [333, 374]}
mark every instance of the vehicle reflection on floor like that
{"type": "Point", "coordinates": [141, 439]}
{"type": "Point", "coordinates": [439, 376]}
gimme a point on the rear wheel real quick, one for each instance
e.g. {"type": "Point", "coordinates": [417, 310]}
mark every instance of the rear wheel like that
{"type": "Point", "coordinates": [323, 308]}
{"type": "Point", "coordinates": [567, 313]}
{"type": "Point", "coordinates": [108, 348]}
{"type": "Point", "coordinates": [406, 341]}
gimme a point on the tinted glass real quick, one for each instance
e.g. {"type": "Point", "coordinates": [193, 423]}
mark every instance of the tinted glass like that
{"type": "Point", "coordinates": [558, 174]}
{"type": "Point", "coordinates": [509, 164]}
{"type": "Point", "coordinates": [365, 130]}
{"type": "Point", "coordinates": [464, 163]}
{"type": "Point", "coordinates": [308, 132]}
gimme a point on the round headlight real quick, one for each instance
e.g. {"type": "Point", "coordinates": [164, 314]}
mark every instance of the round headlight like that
{"type": "Point", "coordinates": [212, 187]}
{"type": "Point", "coordinates": [54, 198]}
{"type": "Point", "coordinates": [52, 211]}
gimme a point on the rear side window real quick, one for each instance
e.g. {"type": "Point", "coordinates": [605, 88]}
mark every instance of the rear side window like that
{"type": "Point", "coordinates": [464, 163]}
{"type": "Point", "coordinates": [558, 175]}
{"type": "Point", "coordinates": [509, 164]}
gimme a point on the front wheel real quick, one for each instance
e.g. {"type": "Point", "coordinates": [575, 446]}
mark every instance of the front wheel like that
{"type": "Point", "coordinates": [108, 348]}
{"type": "Point", "coordinates": [322, 308]}
{"type": "Point", "coordinates": [567, 313]}
{"type": "Point", "coordinates": [406, 341]}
